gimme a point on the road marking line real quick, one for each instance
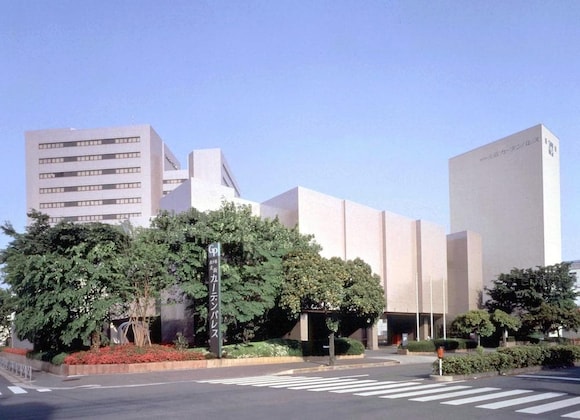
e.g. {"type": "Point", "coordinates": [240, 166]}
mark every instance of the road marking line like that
{"type": "Point", "coordinates": [258, 379]}
{"type": "Point", "coordinates": [44, 390]}
{"type": "Point", "coordinates": [522, 400]}
{"type": "Point", "coordinates": [574, 415]}
{"type": "Point", "coordinates": [429, 391]}
{"type": "Point", "coordinates": [455, 394]}
{"type": "Point", "coordinates": [324, 381]}
{"type": "Point", "coordinates": [326, 384]}
{"type": "Point", "coordinates": [398, 389]}
{"type": "Point", "coordinates": [486, 397]}
{"type": "Point", "coordinates": [538, 409]}
{"type": "Point", "coordinates": [377, 385]}
{"type": "Point", "coordinates": [355, 385]}
{"type": "Point", "coordinates": [17, 390]}
{"type": "Point", "coordinates": [558, 378]}
{"type": "Point", "coordinates": [282, 382]}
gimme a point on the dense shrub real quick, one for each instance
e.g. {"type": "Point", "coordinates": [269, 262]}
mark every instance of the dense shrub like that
{"type": "Point", "coordinates": [525, 356]}
{"type": "Point", "coordinates": [58, 359]}
{"type": "Point", "coordinates": [421, 346]}
{"type": "Point", "coordinates": [509, 358]}
{"type": "Point", "coordinates": [21, 352]}
{"type": "Point", "coordinates": [129, 353]}
{"type": "Point", "coordinates": [455, 344]}
{"type": "Point", "coordinates": [342, 346]}
{"type": "Point", "coordinates": [269, 348]}
{"type": "Point", "coordinates": [348, 346]}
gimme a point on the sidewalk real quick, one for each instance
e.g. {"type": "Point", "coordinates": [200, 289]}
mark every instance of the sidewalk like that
{"type": "Point", "coordinates": [373, 358]}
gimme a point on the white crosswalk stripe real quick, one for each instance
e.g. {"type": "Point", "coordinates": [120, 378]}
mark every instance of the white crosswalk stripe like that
{"type": "Point", "coordinates": [414, 387]}
{"type": "Point", "coordinates": [522, 400]}
{"type": "Point", "coordinates": [539, 409]}
{"type": "Point", "coordinates": [19, 390]}
{"type": "Point", "coordinates": [348, 387]}
{"type": "Point", "coordinates": [487, 397]}
{"type": "Point", "coordinates": [430, 391]}
{"type": "Point", "coordinates": [450, 393]}
{"type": "Point", "coordinates": [454, 394]}
{"type": "Point", "coordinates": [574, 415]}
{"type": "Point", "coordinates": [378, 386]}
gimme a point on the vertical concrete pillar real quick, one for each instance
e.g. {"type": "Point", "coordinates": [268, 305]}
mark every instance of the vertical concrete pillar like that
{"type": "Point", "coordinates": [300, 330]}
{"type": "Point", "coordinates": [373, 337]}
{"type": "Point", "coordinates": [303, 327]}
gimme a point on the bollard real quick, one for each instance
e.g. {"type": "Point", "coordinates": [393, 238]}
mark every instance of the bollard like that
{"type": "Point", "coordinates": [440, 357]}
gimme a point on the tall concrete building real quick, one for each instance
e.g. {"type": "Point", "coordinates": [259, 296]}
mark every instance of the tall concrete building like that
{"type": "Point", "coordinates": [127, 173]}
{"type": "Point", "coordinates": [106, 175]}
{"type": "Point", "coordinates": [508, 191]}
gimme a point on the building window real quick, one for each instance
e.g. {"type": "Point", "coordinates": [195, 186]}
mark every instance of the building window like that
{"type": "Point", "coordinates": [86, 158]}
{"type": "Point", "coordinates": [94, 142]}
{"type": "Point", "coordinates": [91, 203]}
{"type": "Point", "coordinates": [174, 181]}
{"type": "Point", "coordinates": [92, 172]}
{"type": "Point", "coordinates": [77, 188]}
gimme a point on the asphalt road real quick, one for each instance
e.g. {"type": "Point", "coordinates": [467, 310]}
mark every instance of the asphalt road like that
{"type": "Point", "coordinates": [403, 391]}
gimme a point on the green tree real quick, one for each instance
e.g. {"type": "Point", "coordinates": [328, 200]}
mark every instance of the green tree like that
{"type": "Point", "coordinates": [7, 306]}
{"type": "Point", "coordinates": [64, 280]}
{"type": "Point", "coordinates": [251, 267]}
{"type": "Point", "coordinates": [146, 276]}
{"type": "Point", "coordinates": [335, 287]}
{"type": "Point", "coordinates": [506, 322]}
{"type": "Point", "coordinates": [474, 322]}
{"type": "Point", "coordinates": [543, 298]}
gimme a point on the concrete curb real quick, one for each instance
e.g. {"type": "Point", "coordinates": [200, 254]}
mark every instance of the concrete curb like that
{"type": "Point", "coordinates": [108, 369]}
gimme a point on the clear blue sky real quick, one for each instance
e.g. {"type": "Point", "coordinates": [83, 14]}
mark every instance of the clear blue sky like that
{"type": "Point", "coordinates": [362, 100]}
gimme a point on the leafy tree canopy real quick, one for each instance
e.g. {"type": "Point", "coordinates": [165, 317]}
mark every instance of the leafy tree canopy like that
{"type": "Point", "coordinates": [335, 287]}
{"type": "Point", "coordinates": [63, 280]}
{"type": "Point", "coordinates": [7, 306]}
{"type": "Point", "coordinates": [543, 298]}
{"type": "Point", "coordinates": [251, 266]}
{"type": "Point", "coordinates": [474, 322]}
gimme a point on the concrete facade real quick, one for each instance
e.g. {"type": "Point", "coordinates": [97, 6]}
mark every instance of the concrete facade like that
{"type": "Point", "coordinates": [107, 175]}
{"type": "Point", "coordinates": [464, 271]}
{"type": "Point", "coordinates": [128, 173]}
{"type": "Point", "coordinates": [508, 191]}
{"type": "Point", "coordinates": [410, 256]}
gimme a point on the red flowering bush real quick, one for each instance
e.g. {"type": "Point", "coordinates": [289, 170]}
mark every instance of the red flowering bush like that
{"type": "Point", "coordinates": [129, 353]}
{"type": "Point", "coordinates": [21, 352]}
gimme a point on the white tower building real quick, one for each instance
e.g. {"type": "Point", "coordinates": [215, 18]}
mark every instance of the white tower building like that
{"type": "Point", "coordinates": [508, 191]}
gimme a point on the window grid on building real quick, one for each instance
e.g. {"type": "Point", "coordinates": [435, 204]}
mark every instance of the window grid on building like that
{"type": "Point", "coordinates": [87, 158]}
{"type": "Point", "coordinates": [174, 181]}
{"type": "Point", "coordinates": [91, 172]}
{"type": "Point", "coordinates": [93, 217]}
{"type": "Point", "coordinates": [97, 142]}
{"type": "Point", "coordinates": [98, 187]}
{"type": "Point", "coordinates": [91, 203]}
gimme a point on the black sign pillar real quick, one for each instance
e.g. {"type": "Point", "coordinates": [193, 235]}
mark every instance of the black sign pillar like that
{"type": "Point", "coordinates": [214, 312]}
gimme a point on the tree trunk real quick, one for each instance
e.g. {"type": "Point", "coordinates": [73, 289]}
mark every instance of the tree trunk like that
{"type": "Point", "coordinates": [331, 353]}
{"type": "Point", "coordinates": [95, 340]}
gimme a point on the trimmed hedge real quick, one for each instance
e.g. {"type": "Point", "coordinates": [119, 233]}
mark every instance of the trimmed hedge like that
{"type": "Point", "coordinates": [421, 346]}
{"type": "Point", "coordinates": [425, 346]}
{"type": "Point", "coordinates": [455, 344]}
{"type": "Point", "coordinates": [284, 347]}
{"type": "Point", "coordinates": [277, 347]}
{"type": "Point", "coordinates": [505, 359]}
{"type": "Point", "coordinates": [342, 346]}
